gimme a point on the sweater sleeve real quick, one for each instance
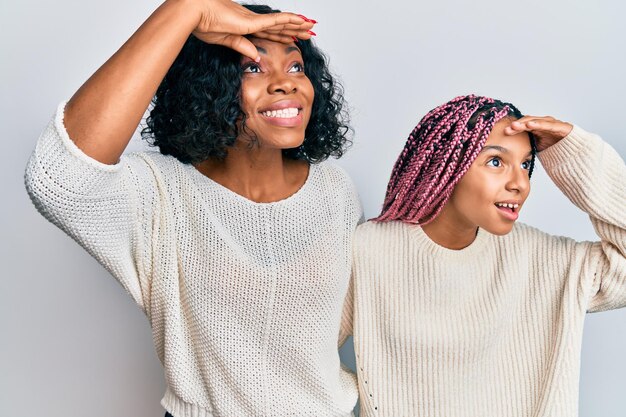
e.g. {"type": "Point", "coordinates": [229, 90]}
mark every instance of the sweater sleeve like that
{"type": "Point", "coordinates": [349, 198]}
{"type": "Point", "coordinates": [107, 209]}
{"type": "Point", "coordinates": [347, 315]}
{"type": "Point", "coordinates": [593, 176]}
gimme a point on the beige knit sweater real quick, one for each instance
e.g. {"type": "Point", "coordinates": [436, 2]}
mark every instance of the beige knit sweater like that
{"type": "Point", "coordinates": [493, 330]}
{"type": "Point", "coordinates": [244, 298]}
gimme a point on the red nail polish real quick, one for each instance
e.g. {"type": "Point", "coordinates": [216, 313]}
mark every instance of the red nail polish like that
{"type": "Point", "coordinates": [294, 39]}
{"type": "Point", "coordinates": [307, 19]}
{"type": "Point", "coordinates": [312, 33]}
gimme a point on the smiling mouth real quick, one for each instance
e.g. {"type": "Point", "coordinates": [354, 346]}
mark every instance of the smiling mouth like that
{"type": "Point", "coordinates": [286, 117]}
{"type": "Point", "coordinates": [287, 113]}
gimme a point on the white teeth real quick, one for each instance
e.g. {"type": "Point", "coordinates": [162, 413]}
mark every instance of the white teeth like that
{"type": "Point", "coordinates": [282, 113]}
{"type": "Point", "coordinates": [508, 205]}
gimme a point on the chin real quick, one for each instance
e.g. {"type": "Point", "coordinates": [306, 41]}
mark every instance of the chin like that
{"type": "Point", "coordinates": [280, 140]}
{"type": "Point", "coordinates": [499, 230]}
{"type": "Point", "coordinates": [287, 143]}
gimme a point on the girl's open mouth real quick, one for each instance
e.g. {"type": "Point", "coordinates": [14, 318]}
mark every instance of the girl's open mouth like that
{"type": "Point", "coordinates": [510, 210]}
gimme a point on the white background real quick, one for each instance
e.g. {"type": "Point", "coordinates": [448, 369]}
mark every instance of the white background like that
{"type": "Point", "coordinates": [72, 343]}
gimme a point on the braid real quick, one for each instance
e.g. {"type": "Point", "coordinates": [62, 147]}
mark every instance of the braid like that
{"type": "Point", "coordinates": [437, 154]}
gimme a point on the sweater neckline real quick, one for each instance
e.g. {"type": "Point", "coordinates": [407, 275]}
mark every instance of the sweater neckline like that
{"type": "Point", "coordinates": [205, 181]}
{"type": "Point", "coordinates": [474, 248]}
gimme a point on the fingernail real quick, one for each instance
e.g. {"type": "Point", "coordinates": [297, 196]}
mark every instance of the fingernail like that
{"type": "Point", "coordinates": [294, 39]}
{"type": "Point", "coordinates": [257, 59]}
{"type": "Point", "coordinates": [312, 33]}
{"type": "Point", "coordinates": [307, 19]}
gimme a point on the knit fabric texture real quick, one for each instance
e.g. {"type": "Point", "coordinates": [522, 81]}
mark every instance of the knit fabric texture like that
{"type": "Point", "coordinates": [244, 298]}
{"type": "Point", "coordinates": [494, 329]}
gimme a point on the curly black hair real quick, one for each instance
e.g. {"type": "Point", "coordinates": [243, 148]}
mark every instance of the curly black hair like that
{"type": "Point", "coordinates": [196, 108]}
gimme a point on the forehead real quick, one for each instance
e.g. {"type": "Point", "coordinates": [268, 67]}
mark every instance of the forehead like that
{"type": "Point", "coordinates": [518, 142]}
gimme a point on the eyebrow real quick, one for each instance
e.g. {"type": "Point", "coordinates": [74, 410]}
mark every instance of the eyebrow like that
{"type": "Point", "coordinates": [496, 147]}
{"type": "Point", "coordinates": [291, 49]}
{"type": "Point", "coordinates": [500, 149]}
{"type": "Point", "coordinates": [288, 50]}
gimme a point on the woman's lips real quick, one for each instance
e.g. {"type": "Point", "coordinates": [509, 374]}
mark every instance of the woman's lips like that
{"type": "Point", "coordinates": [281, 105]}
{"type": "Point", "coordinates": [283, 121]}
{"type": "Point", "coordinates": [284, 113]}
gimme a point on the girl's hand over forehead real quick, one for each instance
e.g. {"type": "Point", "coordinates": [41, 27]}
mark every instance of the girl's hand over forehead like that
{"type": "Point", "coordinates": [224, 22]}
{"type": "Point", "coordinates": [547, 130]}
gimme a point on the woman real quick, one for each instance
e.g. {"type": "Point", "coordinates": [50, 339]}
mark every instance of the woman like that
{"type": "Point", "coordinates": [458, 310]}
{"type": "Point", "coordinates": [231, 240]}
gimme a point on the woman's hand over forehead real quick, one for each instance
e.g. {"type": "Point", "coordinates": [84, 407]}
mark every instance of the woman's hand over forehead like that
{"type": "Point", "coordinates": [224, 22]}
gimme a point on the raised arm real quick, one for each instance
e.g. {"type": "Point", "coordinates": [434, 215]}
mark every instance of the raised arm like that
{"type": "Point", "coordinates": [103, 114]}
{"type": "Point", "coordinates": [74, 179]}
{"type": "Point", "coordinates": [593, 176]}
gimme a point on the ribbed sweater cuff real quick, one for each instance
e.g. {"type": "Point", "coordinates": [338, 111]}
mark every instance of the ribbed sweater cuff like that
{"type": "Point", "coordinates": [59, 124]}
{"type": "Point", "coordinates": [177, 407]}
{"type": "Point", "coordinates": [60, 163]}
{"type": "Point", "coordinates": [572, 147]}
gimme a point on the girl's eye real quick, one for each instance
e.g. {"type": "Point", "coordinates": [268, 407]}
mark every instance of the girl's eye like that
{"type": "Point", "coordinates": [526, 165]}
{"type": "Point", "coordinates": [252, 67]}
{"type": "Point", "coordinates": [297, 67]}
{"type": "Point", "coordinates": [494, 162]}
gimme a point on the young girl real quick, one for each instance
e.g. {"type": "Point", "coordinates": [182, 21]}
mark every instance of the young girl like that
{"type": "Point", "coordinates": [458, 310]}
{"type": "Point", "coordinates": [234, 244]}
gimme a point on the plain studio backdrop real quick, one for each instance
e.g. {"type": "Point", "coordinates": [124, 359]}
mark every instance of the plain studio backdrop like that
{"type": "Point", "coordinates": [73, 344]}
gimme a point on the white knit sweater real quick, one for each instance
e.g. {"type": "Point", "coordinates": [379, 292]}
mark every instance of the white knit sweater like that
{"type": "Point", "coordinates": [495, 329]}
{"type": "Point", "coordinates": [244, 298]}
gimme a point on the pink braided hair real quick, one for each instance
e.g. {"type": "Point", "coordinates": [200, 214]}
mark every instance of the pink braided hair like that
{"type": "Point", "coordinates": [438, 152]}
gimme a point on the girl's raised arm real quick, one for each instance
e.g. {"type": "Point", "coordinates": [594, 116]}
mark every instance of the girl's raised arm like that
{"type": "Point", "coordinates": [592, 175]}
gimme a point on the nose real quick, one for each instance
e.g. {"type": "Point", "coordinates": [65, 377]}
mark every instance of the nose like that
{"type": "Point", "coordinates": [518, 181]}
{"type": "Point", "coordinates": [281, 84]}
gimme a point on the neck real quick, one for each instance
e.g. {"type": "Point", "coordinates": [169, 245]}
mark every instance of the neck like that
{"type": "Point", "coordinates": [449, 231]}
{"type": "Point", "coordinates": [260, 175]}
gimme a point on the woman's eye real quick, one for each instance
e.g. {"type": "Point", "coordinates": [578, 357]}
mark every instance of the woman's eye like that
{"type": "Point", "coordinates": [526, 165]}
{"type": "Point", "coordinates": [494, 162]}
{"type": "Point", "coordinates": [252, 68]}
{"type": "Point", "coordinates": [297, 67]}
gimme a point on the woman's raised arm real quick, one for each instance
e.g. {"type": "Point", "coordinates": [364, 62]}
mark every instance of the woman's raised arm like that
{"type": "Point", "coordinates": [103, 114]}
